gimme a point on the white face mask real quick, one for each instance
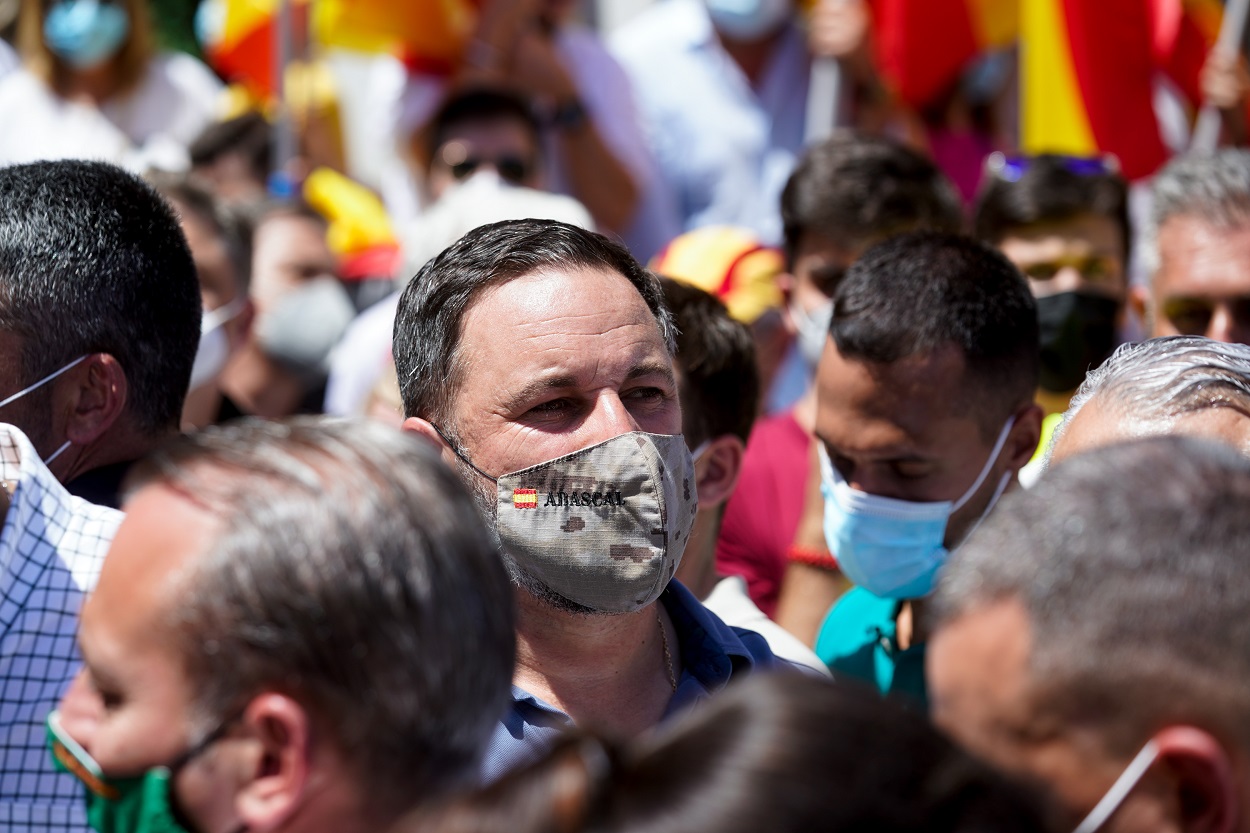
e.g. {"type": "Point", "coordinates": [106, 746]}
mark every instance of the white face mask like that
{"type": "Point", "coordinates": [813, 330]}
{"type": "Point", "coordinates": [30, 388]}
{"type": "Point", "coordinates": [1120, 789]}
{"type": "Point", "coordinates": [748, 20]}
{"type": "Point", "coordinates": [214, 350]}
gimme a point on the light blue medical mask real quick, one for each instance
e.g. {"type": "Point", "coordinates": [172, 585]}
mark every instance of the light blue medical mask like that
{"type": "Point", "coordinates": [85, 33]}
{"type": "Point", "coordinates": [894, 548]}
{"type": "Point", "coordinates": [812, 330]}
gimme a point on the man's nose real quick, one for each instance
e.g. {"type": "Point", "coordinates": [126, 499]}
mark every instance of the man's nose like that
{"type": "Point", "coordinates": [1067, 279]}
{"type": "Point", "coordinates": [610, 418]}
{"type": "Point", "coordinates": [80, 710]}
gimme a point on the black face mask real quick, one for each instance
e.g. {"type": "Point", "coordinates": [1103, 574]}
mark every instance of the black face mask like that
{"type": "Point", "coordinates": [1077, 333]}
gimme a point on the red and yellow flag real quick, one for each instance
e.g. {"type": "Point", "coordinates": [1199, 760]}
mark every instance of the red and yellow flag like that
{"type": "Point", "coordinates": [240, 40]}
{"type": "Point", "coordinates": [922, 46]}
{"type": "Point", "coordinates": [1086, 82]}
{"type": "Point", "coordinates": [430, 34]}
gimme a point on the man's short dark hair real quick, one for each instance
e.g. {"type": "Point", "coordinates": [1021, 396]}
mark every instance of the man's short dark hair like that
{"type": "Point", "coordinates": [855, 190]}
{"type": "Point", "coordinates": [428, 320]}
{"type": "Point", "coordinates": [720, 386]}
{"type": "Point", "coordinates": [1129, 562]}
{"type": "Point", "coordinates": [1050, 190]}
{"type": "Point", "coordinates": [249, 136]}
{"type": "Point", "coordinates": [919, 292]}
{"type": "Point", "coordinates": [481, 104]}
{"type": "Point", "coordinates": [350, 570]}
{"type": "Point", "coordinates": [92, 260]}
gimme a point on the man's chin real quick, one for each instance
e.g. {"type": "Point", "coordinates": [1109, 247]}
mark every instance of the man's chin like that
{"type": "Point", "coordinates": [544, 593]}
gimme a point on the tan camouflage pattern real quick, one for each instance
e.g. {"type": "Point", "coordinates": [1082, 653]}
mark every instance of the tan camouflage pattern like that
{"type": "Point", "coordinates": [606, 525]}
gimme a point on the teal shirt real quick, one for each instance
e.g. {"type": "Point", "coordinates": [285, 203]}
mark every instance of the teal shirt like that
{"type": "Point", "coordinates": [859, 639]}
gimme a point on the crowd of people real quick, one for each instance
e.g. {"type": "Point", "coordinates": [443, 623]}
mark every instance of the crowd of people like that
{"type": "Point", "coordinates": [620, 457]}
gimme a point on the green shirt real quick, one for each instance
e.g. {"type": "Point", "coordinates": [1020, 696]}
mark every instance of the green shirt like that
{"type": "Point", "coordinates": [859, 639]}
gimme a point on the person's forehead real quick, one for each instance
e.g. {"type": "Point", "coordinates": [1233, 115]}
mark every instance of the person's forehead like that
{"type": "Point", "coordinates": [913, 401]}
{"type": "Point", "coordinates": [156, 543]}
{"type": "Point", "coordinates": [1093, 426]}
{"type": "Point", "coordinates": [579, 319]}
{"type": "Point", "coordinates": [1086, 234]}
{"type": "Point", "coordinates": [495, 134]}
{"type": "Point", "coordinates": [1198, 258]}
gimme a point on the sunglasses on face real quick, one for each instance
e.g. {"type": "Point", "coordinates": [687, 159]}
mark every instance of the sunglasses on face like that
{"type": "Point", "coordinates": [1192, 316]}
{"type": "Point", "coordinates": [513, 169]}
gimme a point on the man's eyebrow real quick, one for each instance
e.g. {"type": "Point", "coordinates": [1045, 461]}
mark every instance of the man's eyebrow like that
{"type": "Point", "coordinates": [535, 388]}
{"type": "Point", "coordinates": [649, 368]}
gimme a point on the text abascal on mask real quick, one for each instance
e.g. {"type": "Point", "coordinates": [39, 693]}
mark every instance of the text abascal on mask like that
{"type": "Point", "coordinates": [583, 499]}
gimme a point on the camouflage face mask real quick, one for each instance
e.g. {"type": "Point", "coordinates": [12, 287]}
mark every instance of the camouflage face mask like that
{"type": "Point", "coordinates": [605, 526]}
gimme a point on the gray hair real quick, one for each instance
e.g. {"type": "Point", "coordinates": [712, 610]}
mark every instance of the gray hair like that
{"type": "Point", "coordinates": [427, 323]}
{"type": "Point", "coordinates": [1213, 188]}
{"type": "Point", "coordinates": [351, 572]}
{"type": "Point", "coordinates": [1153, 382]}
{"type": "Point", "coordinates": [1129, 562]}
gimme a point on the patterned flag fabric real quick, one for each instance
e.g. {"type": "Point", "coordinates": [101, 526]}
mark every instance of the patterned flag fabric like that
{"type": "Point", "coordinates": [922, 46]}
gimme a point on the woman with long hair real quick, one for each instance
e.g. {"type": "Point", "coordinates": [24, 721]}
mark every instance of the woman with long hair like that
{"type": "Point", "coordinates": [92, 85]}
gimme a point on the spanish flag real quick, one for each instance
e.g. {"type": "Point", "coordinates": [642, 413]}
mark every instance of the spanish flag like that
{"type": "Point", "coordinates": [1087, 72]}
{"type": "Point", "coordinates": [1086, 82]}
{"type": "Point", "coordinates": [922, 46]}
{"type": "Point", "coordinates": [239, 38]}
{"type": "Point", "coordinates": [429, 34]}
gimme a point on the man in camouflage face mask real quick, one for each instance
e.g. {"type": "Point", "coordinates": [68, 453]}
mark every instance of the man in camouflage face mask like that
{"type": "Point", "coordinates": [538, 356]}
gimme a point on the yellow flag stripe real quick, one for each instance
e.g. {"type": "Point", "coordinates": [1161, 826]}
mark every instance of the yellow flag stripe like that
{"type": "Point", "coordinates": [1052, 111]}
{"type": "Point", "coordinates": [995, 23]}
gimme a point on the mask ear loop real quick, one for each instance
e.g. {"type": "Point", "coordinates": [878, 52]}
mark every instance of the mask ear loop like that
{"type": "Point", "coordinates": [989, 464]}
{"type": "Point", "coordinates": [1120, 789]}
{"type": "Point", "coordinates": [464, 458]}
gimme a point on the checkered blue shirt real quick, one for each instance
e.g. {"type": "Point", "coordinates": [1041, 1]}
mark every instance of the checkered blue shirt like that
{"type": "Point", "coordinates": [51, 550]}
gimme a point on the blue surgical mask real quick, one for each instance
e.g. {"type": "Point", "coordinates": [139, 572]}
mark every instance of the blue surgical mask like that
{"type": "Point", "coordinates": [748, 20]}
{"type": "Point", "coordinates": [85, 33]}
{"type": "Point", "coordinates": [894, 548]}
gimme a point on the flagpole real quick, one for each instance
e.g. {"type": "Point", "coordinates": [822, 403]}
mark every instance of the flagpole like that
{"type": "Point", "coordinates": [824, 98]}
{"type": "Point", "coordinates": [284, 139]}
{"type": "Point", "coordinates": [1206, 134]}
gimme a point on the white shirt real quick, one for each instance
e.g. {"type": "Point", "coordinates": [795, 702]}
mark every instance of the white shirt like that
{"type": "Point", "coordinates": [149, 127]}
{"type": "Point", "coordinates": [51, 550]}
{"type": "Point", "coordinates": [8, 59]}
{"type": "Point", "coordinates": [729, 601]}
{"type": "Point", "coordinates": [724, 147]}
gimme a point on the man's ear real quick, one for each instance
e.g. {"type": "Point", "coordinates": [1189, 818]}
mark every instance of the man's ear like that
{"type": "Point", "coordinates": [1201, 779]}
{"type": "Point", "coordinates": [717, 470]}
{"type": "Point", "coordinates": [425, 429]}
{"type": "Point", "coordinates": [1025, 434]}
{"type": "Point", "coordinates": [280, 762]}
{"type": "Point", "coordinates": [786, 283]}
{"type": "Point", "coordinates": [93, 396]}
{"type": "Point", "coordinates": [1139, 303]}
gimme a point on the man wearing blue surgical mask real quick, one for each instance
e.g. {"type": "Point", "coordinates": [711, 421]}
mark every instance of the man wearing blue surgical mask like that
{"type": "Point", "coordinates": [925, 414]}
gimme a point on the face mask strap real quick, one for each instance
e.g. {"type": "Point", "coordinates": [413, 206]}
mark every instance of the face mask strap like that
{"type": "Point", "coordinates": [43, 381]}
{"type": "Point", "coordinates": [222, 315]}
{"type": "Point", "coordinates": [698, 452]}
{"type": "Point", "coordinates": [989, 464]}
{"type": "Point", "coordinates": [464, 458]}
{"type": "Point", "coordinates": [1120, 789]}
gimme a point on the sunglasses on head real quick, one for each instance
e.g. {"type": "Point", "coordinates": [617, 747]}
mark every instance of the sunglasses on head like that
{"type": "Point", "coordinates": [1012, 168]}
